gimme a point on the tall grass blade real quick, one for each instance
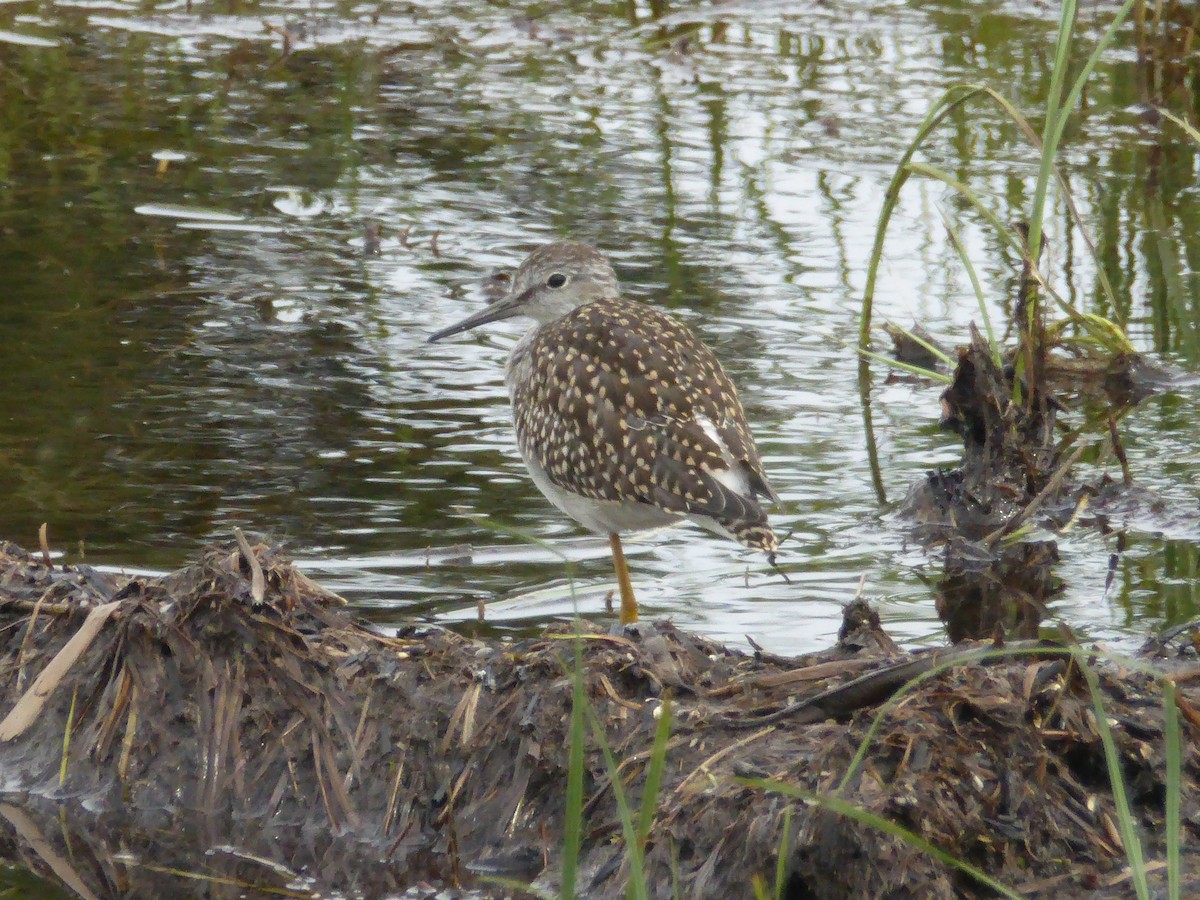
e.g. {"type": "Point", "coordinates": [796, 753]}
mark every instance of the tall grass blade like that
{"type": "Point", "coordinates": [1085, 73]}
{"type": "Point", "coordinates": [633, 852]}
{"type": "Point", "coordinates": [521, 888]}
{"type": "Point", "coordinates": [965, 257]}
{"type": "Point", "coordinates": [1116, 778]}
{"type": "Point", "coordinates": [66, 742]}
{"type": "Point", "coordinates": [1064, 188]}
{"type": "Point", "coordinates": [1006, 234]}
{"type": "Point", "coordinates": [1058, 76]}
{"type": "Point", "coordinates": [1174, 748]}
{"type": "Point", "coordinates": [1058, 112]}
{"type": "Point", "coordinates": [1187, 127]}
{"type": "Point", "coordinates": [949, 101]}
{"type": "Point", "coordinates": [906, 367]}
{"type": "Point", "coordinates": [573, 815]}
{"type": "Point", "coordinates": [781, 857]}
{"type": "Point", "coordinates": [573, 819]}
{"type": "Point", "coordinates": [1106, 333]}
{"type": "Point", "coordinates": [921, 342]}
{"type": "Point", "coordinates": [1060, 127]}
{"type": "Point", "coordinates": [956, 96]}
{"type": "Point", "coordinates": [892, 702]}
{"type": "Point", "coordinates": [654, 773]}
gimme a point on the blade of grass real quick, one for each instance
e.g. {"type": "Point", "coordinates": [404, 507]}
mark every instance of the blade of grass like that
{"type": "Point", "coordinates": [676, 879]}
{"type": "Point", "coordinates": [961, 249]}
{"type": "Point", "coordinates": [954, 97]}
{"type": "Point", "coordinates": [654, 773]}
{"type": "Point", "coordinates": [637, 880]}
{"type": "Point", "coordinates": [514, 884]}
{"type": "Point", "coordinates": [1188, 128]}
{"type": "Point", "coordinates": [224, 881]}
{"type": "Point", "coordinates": [1174, 741]}
{"type": "Point", "coordinates": [871, 820]}
{"type": "Point", "coordinates": [1088, 321]}
{"type": "Point", "coordinates": [781, 857]}
{"type": "Point", "coordinates": [1116, 779]}
{"type": "Point", "coordinates": [573, 819]}
{"type": "Point", "coordinates": [573, 815]}
{"type": "Point", "coordinates": [1060, 126]}
{"type": "Point", "coordinates": [864, 400]}
{"type": "Point", "coordinates": [1085, 73]}
{"type": "Point", "coordinates": [582, 713]}
{"type": "Point", "coordinates": [891, 703]}
{"type": "Point", "coordinates": [1010, 238]}
{"type": "Point", "coordinates": [1058, 113]}
{"type": "Point", "coordinates": [905, 367]}
{"type": "Point", "coordinates": [1058, 75]}
{"type": "Point", "coordinates": [1106, 332]}
{"type": "Point", "coordinates": [982, 654]}
{"type": "Point", "coordinates": [66, 742]}
{"type": "Point", "coordinates": [1133, 848]}
{"type": "Point", "coordinates": [947, 103]}
{"type": "Point", "coordinates": [1127, 825]}
{"type": "Point", "coordinates": [1064, 188]}
{"type": "Point", "coordinates": [917, 339]}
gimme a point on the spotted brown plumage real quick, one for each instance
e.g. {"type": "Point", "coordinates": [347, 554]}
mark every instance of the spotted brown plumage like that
{"type": "Point", "coordinates": [625, 419]}
{"type": "Point", "coordinates": [612, 410]}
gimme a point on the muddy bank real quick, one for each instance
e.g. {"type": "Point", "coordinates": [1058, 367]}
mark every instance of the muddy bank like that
{"type": "Point", "coordinates": [232, 730]}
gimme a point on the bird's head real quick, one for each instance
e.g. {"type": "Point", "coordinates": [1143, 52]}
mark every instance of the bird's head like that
{"type": "Point", "coordinates": [551, 282]}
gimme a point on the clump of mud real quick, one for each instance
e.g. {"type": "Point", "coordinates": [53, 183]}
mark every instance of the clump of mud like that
{"type": "Point", "coordinates": [232, 723]}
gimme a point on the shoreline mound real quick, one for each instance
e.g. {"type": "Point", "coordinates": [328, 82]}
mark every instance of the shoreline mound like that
{"type": "Point", "coordinates": [230, 730]}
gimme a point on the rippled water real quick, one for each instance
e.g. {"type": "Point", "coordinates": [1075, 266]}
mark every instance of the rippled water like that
{"type": "Point", "coordinates": [226, 229]}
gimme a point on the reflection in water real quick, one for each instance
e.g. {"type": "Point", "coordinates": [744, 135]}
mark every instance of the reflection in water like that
{"type": "Point", "coordinates": [1005, 597]}
{"type": "Point", "coordinates": [166, 383]}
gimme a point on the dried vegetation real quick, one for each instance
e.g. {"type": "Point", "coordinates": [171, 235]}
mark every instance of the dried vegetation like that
{"type": "Point", "coordinates": [278, 743]}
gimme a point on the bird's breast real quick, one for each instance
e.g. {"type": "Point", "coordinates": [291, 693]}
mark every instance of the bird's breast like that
{"type": "Point", "coordinates": [519, 369]}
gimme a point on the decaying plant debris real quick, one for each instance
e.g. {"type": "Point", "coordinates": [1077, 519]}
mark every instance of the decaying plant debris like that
{"type": "Point", "coordinates": [279, 743]}
{"type": "Point", "coordinates": [1018, 469]}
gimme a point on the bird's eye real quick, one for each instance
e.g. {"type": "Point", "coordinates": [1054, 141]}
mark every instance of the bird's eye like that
{"type": "Point", "coordinates": [556, 280]}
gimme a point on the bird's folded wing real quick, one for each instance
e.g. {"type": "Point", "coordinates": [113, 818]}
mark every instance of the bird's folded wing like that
{"type": "Point", "coordinates": [630, 406]}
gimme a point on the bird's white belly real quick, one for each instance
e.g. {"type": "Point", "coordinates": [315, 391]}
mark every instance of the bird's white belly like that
{"type": "Point", "coordinates": [600, 516]}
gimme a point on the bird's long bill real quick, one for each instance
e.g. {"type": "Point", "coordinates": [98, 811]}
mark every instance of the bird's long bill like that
{"type": "Point", "coordinates": [504, 308]}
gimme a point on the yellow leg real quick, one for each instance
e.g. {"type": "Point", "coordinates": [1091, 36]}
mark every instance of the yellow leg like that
{"type": "Point", "coordinates": [629, 609]}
